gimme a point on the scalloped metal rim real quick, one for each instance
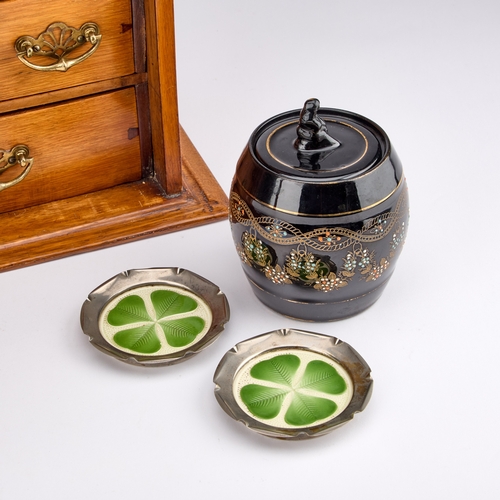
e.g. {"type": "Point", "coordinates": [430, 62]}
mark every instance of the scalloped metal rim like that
{"type": "Point", "coordinates": [276, 340]}
{"type": "Point", "coordinates": [172, 276]}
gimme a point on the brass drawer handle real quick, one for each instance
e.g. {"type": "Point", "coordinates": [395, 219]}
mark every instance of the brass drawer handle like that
{"type": "Point", "coordinates": [56, 42]}
{"type": "Point", "coordinates": [18, 155]}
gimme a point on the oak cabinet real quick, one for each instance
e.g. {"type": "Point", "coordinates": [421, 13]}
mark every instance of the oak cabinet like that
{"type": "Point", "coordinates": [91, 151]}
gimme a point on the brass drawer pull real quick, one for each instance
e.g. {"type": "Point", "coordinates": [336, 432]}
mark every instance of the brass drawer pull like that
{"type": "Point", "coordinates": [56, 42]}
{"type": "Point", "coordinates": [18, 155]}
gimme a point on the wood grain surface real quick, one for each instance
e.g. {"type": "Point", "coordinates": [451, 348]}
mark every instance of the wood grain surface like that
{"type": "Point", "coordinates": [112, 216]}
{"type": "Point", "coordinates": [77, 147]}
{"type": "Point", "coordinates": [163, 93]}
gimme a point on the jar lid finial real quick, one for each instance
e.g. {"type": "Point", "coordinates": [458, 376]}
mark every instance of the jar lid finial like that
{"type": "Point", "coordinates": [313, 143]}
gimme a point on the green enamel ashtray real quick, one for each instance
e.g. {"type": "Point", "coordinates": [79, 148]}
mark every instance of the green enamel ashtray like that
{"type": "Point", "coordinates": [292, 384]}
{"type": "Point", "coordinates": [154, 317]}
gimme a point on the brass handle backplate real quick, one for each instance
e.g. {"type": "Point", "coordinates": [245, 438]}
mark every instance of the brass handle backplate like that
{"type": "Point", "coordinates": [56, 42]}
{"type": "Point", "coordinates": [18, 155]}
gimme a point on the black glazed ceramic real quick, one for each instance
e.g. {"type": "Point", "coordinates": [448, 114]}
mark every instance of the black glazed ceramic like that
{"type": "Point", "coordinates": [319, 212]}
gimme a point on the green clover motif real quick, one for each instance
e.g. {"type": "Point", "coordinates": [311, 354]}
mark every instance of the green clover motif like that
{"type": "Point", "coordinates": [171, 316]}
{"type": "Point", "coordinates": [303, 390]}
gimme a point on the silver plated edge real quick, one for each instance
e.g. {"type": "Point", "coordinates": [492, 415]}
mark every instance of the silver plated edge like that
{"type": "Point", "coordinates": [134, 278]}
{"type": "Point", "coordinates": [328, 346]}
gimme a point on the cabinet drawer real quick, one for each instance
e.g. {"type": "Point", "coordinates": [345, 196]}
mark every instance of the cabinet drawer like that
{"type": "Point", "coordinates": [114, 56]}
{"type": "Point", "coordinates": [77, 147]}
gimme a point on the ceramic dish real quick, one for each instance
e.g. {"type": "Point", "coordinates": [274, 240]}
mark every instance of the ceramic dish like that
{"type": "Point", "coordinates": [154, 317]}
{"type": "Point", "coordinates": [292, 384]}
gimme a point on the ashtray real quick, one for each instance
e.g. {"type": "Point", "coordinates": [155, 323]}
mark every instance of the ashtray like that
{"type": "Point", "coordinates": [292, 384]}
{"type": "Point", "coordinates": [154, 317]}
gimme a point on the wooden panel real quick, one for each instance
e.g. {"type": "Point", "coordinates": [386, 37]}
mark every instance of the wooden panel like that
{"type": "Point", "coordinates": [112, 216]}
{"type": "Point", "coordinates": [71, 93]}
{"type": "Point", "coordinates": [163, 93]}
{"type": "Point", "coordinates": [78, 147]}
{"type": "Point", "coordinates": [113, 58]}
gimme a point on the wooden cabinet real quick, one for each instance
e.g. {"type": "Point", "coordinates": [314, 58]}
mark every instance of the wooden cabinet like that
{"type": "Point", "coordinates": [91, 152]}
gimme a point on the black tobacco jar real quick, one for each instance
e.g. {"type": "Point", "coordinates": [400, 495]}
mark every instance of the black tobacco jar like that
{"type": "Point", "coordinates": [319, 212]}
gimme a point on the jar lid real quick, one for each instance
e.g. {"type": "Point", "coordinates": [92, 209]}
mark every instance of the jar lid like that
{"type": "Point", "coordinates": [319, 162]}
{"type": "Point", "coordinates": [292, 384]}
{"type": "Point", "coordinates": [154, 317]}
{"type": "Point", "coordinates": [314, 143]}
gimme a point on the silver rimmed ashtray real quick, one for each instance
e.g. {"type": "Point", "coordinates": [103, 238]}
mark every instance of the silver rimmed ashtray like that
{"type": "Point", "coordinates": [292, 384]}
{"type": "Point", "coordinates": [154, 317]}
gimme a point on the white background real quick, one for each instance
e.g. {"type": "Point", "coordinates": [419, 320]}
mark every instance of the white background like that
{"type": "Point", "coordinates": [77, 424]}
